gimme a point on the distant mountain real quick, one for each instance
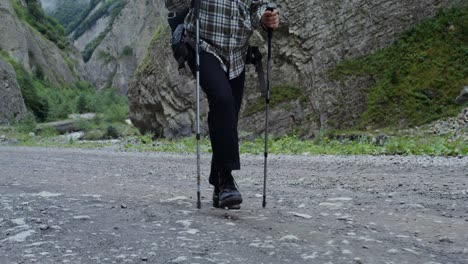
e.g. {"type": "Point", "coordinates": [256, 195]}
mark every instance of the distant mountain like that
{"type": "Point", "coordinates": [34, 51]}
{"type": "Point", "coordinates": [65, 11]}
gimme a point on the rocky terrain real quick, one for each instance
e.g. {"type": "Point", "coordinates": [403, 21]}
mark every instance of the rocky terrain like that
{"type": "Point", "coordinates": [91, 206]}
{"type": "Point", "coordinates": [305, 48]}
{"type": "Point", "coordinates": [457, 126]}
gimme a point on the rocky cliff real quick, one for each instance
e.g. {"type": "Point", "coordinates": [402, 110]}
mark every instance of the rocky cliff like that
{"type": "Point", "coordinates": [116, 58]}
{"type": "Point", "coordinates": [12, 103]}
{"type": "Point", "coordinates": [314, 36]}
{"type": "Point", "coordinates": [35, 53]}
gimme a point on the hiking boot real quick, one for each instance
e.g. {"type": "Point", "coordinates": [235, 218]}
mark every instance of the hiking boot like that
{"type": "Point", "coordinates": [216, 201]}
{"type": "Point", "coordinates": [228, 196]}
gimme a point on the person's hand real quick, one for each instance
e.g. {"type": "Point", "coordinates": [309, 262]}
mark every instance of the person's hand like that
{"type": "Point", "coordinates": [270, 20]}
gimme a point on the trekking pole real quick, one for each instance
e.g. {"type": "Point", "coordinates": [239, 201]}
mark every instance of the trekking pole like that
{"type": "Point", "coordinates": [197, 68]}
{"type": "Point", "coordinates": [271, 7]}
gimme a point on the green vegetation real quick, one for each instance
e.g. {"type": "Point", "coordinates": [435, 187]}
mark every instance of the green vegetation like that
{"type": "Point", "coordinates": [33, 15]}
{"type": "Point", "coordinates": [279, 94]}
{"type": "Point", "coordinates": [86, 20]}
{"type": "Point", "coordinates": [161, 29]}
{"type": "Point", "coordinates": [91, 46]}
{"type": "Point", "coordinates": [127, 51]}
{"type": "Point", "coordinates": [105, 57]}
{"type": "Point", "coordinates": [67, 11]}
{"type": "Point", "coordinates": [418, 77]}
{"type": "Point", "coordinates": [82, 16]}
{"type": "Point", "coordinates": [290, 145]}
{"type": "Point", "coordinates": [47, 102]}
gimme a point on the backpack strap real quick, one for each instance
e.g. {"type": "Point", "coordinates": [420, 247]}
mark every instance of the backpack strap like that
{"type": "Point", "coordinates": [175, 19]}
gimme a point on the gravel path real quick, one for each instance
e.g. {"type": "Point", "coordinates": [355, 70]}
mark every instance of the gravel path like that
{"type": "Point", "coordinates": [102, 206]}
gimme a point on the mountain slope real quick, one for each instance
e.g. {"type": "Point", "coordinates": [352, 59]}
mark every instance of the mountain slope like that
{"type": "Point", "coordinates": [28, 39]}
{"type": "Point", "coordinates": [315, 36]}
{"type": "Point", "coordinates": [118, 54]}
{"type": "Point", "coordinates": [65, 11]}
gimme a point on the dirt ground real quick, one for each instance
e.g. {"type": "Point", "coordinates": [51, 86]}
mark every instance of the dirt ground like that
{"type": "Point", "coordinates": [105, 206]}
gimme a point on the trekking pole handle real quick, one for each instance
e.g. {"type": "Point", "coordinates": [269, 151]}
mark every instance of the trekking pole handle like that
{"type": "Point", "coordinates": [271, 7]}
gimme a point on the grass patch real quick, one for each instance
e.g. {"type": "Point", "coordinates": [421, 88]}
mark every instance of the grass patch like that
{"type": "Point", "coordinates": [418, 77]}
{"type": "Point", "coordinates": [287, 145]}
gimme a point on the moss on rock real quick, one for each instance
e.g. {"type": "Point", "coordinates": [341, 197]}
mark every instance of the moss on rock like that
{"type": "Point", "coordinates": [419, 76]}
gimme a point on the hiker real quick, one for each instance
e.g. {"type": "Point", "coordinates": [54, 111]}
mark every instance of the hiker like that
{"type": "Point", "coordinates": [225, 29]}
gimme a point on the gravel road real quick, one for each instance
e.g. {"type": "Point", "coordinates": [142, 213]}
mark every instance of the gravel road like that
{"type": "Point", "coordinates": [105, 206]}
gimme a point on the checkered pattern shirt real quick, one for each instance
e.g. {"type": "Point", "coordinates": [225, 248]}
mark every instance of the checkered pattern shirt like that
{"type": "Point", "coordinates": [225, 28]}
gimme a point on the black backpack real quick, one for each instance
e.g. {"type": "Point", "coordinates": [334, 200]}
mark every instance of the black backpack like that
{"type": "Point", "coordinates": [179, 44]}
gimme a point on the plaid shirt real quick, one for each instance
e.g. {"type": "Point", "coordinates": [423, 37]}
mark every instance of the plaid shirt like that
{"type": "Point", "coordinates": [225, 28]}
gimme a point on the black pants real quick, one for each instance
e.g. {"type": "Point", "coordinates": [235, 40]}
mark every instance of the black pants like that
{"type": "Point", "coordinates": [224, 99]}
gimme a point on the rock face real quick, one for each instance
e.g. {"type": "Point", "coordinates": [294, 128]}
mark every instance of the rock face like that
{"type": "Point", "coordinates": [33, 51]}
{"type": "Point", "coordinates": [463, 97]}
{"type": "Point", "coordinates": [88, 36]}
{"type": "Point", "coordinates": [314, 36]}
{"type": "Point", "coordinates": [161, 97]}
{"type": "Point", "coordinates": [12, 103]}
{"type": "Point", "coordinates": [115, 60]}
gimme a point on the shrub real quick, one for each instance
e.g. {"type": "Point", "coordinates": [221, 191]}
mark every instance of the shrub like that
{"type": "Point", "coordinates": [82, 104]}
{"type": "Point", "coordinates": [94, 135]}
{"type": "Point", "coordinates": [127, 51]}
{"type": "Point", "coordinates": [28, 124]}
{"type": "Point", "coordinates": [111, 132]}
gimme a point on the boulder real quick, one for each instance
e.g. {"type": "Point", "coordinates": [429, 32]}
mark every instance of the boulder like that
{"type": "Point", "coordinates": [463, 97]}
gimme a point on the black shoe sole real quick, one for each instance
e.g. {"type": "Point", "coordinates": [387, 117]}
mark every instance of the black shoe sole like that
{"type": "Point", "coordinates": [231, 202]}
{"type": "Point", "coordinates": [232, 207]}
